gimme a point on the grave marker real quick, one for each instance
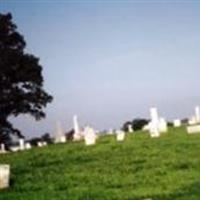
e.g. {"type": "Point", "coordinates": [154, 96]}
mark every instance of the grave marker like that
{"type": "Point", "coordinates": [4, 176]}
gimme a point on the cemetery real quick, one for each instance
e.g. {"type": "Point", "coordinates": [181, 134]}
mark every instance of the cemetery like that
{"type": "Point", "coordinates": [107, 61]}
{"type": "Point", "coordinates": [159, 162]}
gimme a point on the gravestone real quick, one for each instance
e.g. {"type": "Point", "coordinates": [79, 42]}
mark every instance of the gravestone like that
{"type": "Point", "coordinates": [120, 135]}
{"type": "Point", "coordinates": [89, 136]}
{"type": "Point", "coordinates": [194, 129]}
{"type": "Point", "coordinates": [39, 144]}
{"type": "Point", "coordinates": [162, 125]}
{"type": "Point", "coordinates": [177, 123]}
{"type": "Point", "coordinates": [4, 176]}
{"type": "Point", "coordinates": [44, 143]}
{"type": "Point", "coordinates": [27, 145]}
{"type": "Point", "coordinates": [130, 129]}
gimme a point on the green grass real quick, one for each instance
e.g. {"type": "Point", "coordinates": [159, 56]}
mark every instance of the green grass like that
{"type": "Point", "coordinates": [165, 168]}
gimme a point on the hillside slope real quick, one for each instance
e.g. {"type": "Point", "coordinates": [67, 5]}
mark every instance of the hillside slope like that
{"type": "Point", "coordinates": [166, 168]}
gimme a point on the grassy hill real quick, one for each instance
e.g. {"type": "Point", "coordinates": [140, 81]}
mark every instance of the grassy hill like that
{"type": "Point", "coordinates": [166, 168]}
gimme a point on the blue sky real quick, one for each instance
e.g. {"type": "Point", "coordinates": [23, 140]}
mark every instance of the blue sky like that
{"type": "Point", "coordinates": [108, 62]}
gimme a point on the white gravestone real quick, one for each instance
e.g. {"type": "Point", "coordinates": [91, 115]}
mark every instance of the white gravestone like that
{"type": "Point", "coordinates": [193, 129]}
{"type": "Point", "coordinates": [27, 145]}
{"type": "Point", "coordinates": [154, 124]}
{"type": "Point", "coordinates": [77, 133]}
{"type": "Point", "coordinates": [60, 137]}
{"type": "Point", "coordinates": [44, 143]}
{"type": "Point", "coordinates": [162, 125]}
{"type": "Point", "coordinates": [21, 144]}
{"type": "Point", "coordinates": [177, 123]}
{"type": "Point", "coordinates": [120, 135]}
{"type": "Point", "coordinates": [4, 176]}
{"type": "Point", "coordinates": [130, 129]}
{"type": "Point", "coordinates": [39, 144]}
{"type": "Point", "coordinates": [89, 136]}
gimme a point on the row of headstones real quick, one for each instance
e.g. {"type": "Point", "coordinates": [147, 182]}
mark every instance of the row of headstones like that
{"type": "Point", "coordinates": [88, 134]}
{"type": "Point", "coordinates": [158, 125]}
{"type": "Point", "coordinates": [22, 145]}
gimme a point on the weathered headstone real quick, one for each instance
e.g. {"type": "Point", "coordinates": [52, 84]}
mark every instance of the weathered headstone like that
{"type": "Point", "coordinates": [120, 135]}
{"type": "Point", "coordinates": [4, 176]}
{"type": "Point", "coordinates": [89, 136]}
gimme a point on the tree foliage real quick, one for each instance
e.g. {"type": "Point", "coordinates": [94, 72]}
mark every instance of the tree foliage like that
{"type": "Point", "coordinates": [21, 80]}
{"type": "Point", "coordinates": [136, 124]}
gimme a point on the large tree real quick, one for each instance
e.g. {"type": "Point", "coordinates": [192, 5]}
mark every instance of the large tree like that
{"type": "Point", "coordinates": [21, 80]}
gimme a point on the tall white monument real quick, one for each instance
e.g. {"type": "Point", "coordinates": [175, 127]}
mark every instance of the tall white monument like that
{"type": "Point", "coordinates": [154, 124]}
{"type": "Point", "coordinates": [197, 114]}
{"type": "Point", "coordinates": [21, 144]}
{"type": "Point", "coordinates": [77, 132]}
